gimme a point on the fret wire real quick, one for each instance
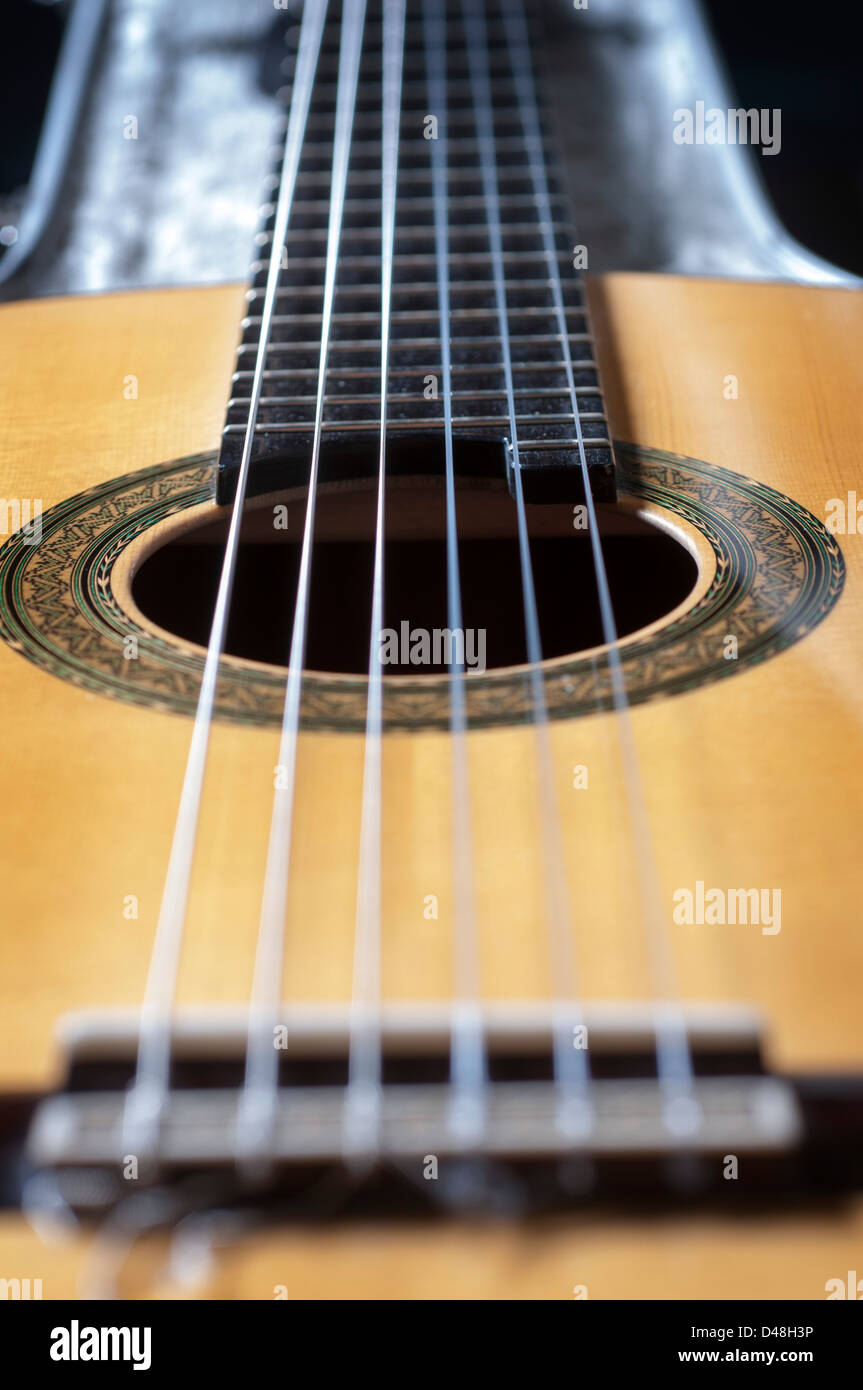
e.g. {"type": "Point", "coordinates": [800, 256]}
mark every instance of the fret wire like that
{"type": "Point", "coordinates": [420, 287]}
{"type": "Point", "coordinates": [325, 91]}
{"type": "Point", "coordinates": [360, 316]}
{"type": "Point", "coordinates": [363, 148]}
{"type": "Point", "coordinates": [467, 368]}
{"type": "Point", "coordinates": [320, 206]}
{"type": "Point", "coordinates": [468, 1052]}
{"type": "Point", "coordinates": [417, 398]}
{"type": "Point", "coordinates": [525, 445]}
{"type": "Point", "coordinates": [468, 229]}
{"type": "Point", "coordinates": [674, 1057]}
{"type": "Point", "coordinates": [407, 175]}
{"type": "Point", "coordinates": [368, 123]}
{"type": "Point", "coordinates": [415, 71]}
{"type": "Point", "coordinates": [409, 258]}
{"type": "Point", "coordinates": [369, 344]}
{"type": "Point", "coordinates": [418, 424]}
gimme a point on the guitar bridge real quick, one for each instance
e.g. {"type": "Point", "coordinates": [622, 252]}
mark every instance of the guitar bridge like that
{"type": "Point", "coordinates": [757, 1123]}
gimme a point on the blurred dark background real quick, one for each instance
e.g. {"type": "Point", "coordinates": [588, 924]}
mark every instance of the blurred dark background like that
{"type": "Point", "coordinates": [31, 43]}
{"type": "Point", "coordinates": [804, 60]}
{"type": "Point", "coordinates": [201, 76]}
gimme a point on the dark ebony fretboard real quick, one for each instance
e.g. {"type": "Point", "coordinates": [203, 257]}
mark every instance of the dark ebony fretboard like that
{"type": "Point", "coordinates": [546, 431]}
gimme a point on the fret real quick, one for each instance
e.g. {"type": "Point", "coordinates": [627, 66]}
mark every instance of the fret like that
{"type": "Point", "coordinates": [508, 122]}
{"type": "Point", "coordinates": [536, 407]}
{"type": "Point", "coordinates": [407, 316]}
{"type": "Point", "coordinates": [397, 397]}
{"type": "Point", "coordinates": [538, 445]}
{"type": "Point", "coordinates": [414, 29]}
{"type": "Point", "coordinates": [433, 422]}
{"type": "Point", "coordinates": [320, 178]}
{"type": "Point", "coordinates": [369, 100]}
{"type": "Point", "coordinates": [582, 366]}
{"type": "Point", "coordinates": [460, 232]}
{"type": "Point", "coordinates": [414, 69]}
{"type": "Point", "coordinates": [305, 269]}
{"type": "Point", "coordinates": [418, 288]}
{"type": "Point", "coordinates": [370, 149]}
{"type": "Point", "coordinates": [352, 369]}
{"type": "Point", "coordinates": [414, 344]}
{"type": "Point", "coordinates": [320, 206]}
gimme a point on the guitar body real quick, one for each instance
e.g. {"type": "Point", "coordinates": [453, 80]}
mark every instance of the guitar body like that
{"type": "Point", "coordinates": [749, 772]}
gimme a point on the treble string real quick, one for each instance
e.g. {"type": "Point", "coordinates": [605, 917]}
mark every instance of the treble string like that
{"type": "Point", "coordinates": [571, 1065]}
{"type": "Point", "coordinates": [148, 1092]}
{"type": "Point", "coordinates": [673, 1053]}
{"type": "Point", "coordinates": [258, 1102]}
{"type": "Point", "coordinates": [468, 1054]}
{"type": "Point", "coordinates": [363, 1100]}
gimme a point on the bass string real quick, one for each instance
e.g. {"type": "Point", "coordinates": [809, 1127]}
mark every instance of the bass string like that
{"type": "Point", "coordinates": [675, 1067]}
{"type": "Point", "coordinates": [468, 1050]}
{"type": "Point", "coordinates": [362, 1114]}
{"type": "Point", "coordinates": [258, 1101]}
{"type": "Point", "coordinates": [148, 1091]}
{"type": "Point", "coordinates": [571, 1064]}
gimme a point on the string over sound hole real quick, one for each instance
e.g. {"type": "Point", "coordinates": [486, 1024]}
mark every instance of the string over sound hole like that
{"type": "Point", "coordinates": [650, 573]}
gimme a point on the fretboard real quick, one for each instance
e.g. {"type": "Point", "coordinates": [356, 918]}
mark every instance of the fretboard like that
{"type": "Point", "coordinates": [534, 210]}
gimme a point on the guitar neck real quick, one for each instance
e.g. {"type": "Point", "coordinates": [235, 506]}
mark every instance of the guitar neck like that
{"type": "Point", "coordinates": [469, 131]}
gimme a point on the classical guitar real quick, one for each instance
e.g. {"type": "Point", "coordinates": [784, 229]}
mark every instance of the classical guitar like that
{"type": "Point", "coordinates": [431, 774]}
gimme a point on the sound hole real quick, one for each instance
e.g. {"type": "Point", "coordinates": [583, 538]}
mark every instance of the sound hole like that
{"type": "Point", "coordinates": [649, 574]}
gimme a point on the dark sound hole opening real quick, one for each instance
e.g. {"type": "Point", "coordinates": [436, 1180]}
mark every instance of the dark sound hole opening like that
{"type": "Point", "coordinates": [649, 574]}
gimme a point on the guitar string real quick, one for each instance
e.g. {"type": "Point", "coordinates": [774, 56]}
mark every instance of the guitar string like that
{"type": "Point", "coordinates": [148, 1091]}
{"type": "Point", "coordinates": [258, 1102]}
{"type": "Point", "coordinates": [468, 1052]}
{"type": "Point", "coordinates": [363, 1099]}
{"type": "Point", "coordinates": [681, 1112]}
{"type": "Point", "coordinates": [572, 1072]}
